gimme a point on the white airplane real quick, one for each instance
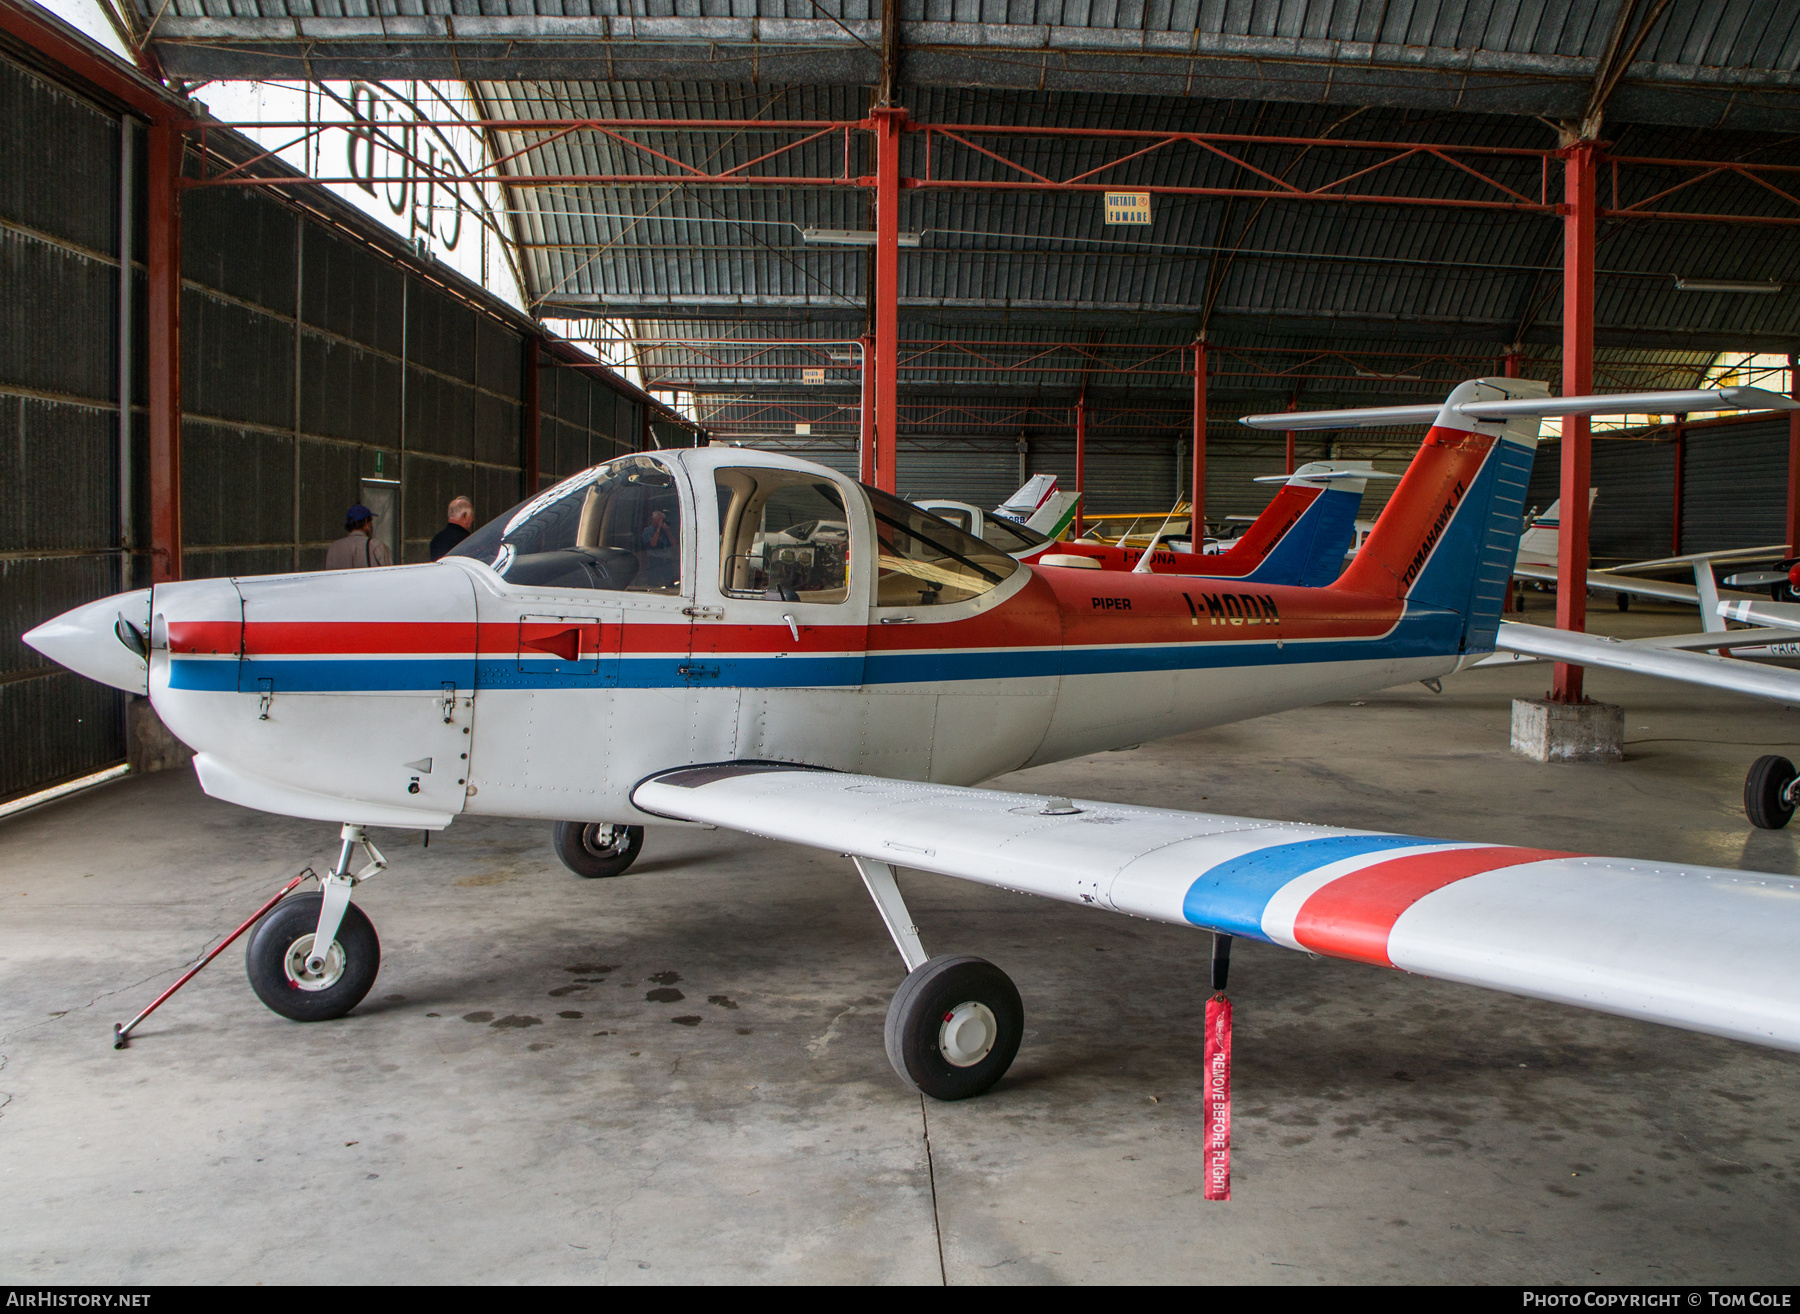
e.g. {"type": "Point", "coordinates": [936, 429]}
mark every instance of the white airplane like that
{"type": "Point", "coordinates": [551, 669]}
{"type": "Point", "coordinates": [1043, 513]}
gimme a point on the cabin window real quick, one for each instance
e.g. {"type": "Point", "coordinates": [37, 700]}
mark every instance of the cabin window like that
{"type": "Point", "coordinates": [616, 527]}
{"type": "Point", "coordinates": [923, 561]}
{"type": "Point", "coordinates": [783, 536]}
{"type": "Point", "coordinates": [952, 515]}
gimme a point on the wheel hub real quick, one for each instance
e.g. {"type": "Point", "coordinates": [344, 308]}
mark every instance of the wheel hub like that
{"type": "Point", "coordinates": [303, 977]}
{"type": "Point", "coordinates": [603, 840]}
{"type": "Point", "coordinates": [967, 1034]}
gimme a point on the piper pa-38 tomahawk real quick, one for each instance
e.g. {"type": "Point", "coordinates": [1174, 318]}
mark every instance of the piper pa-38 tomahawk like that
{"type": "Point", "coordinates": [1299, 538]}
{"type": "Point", "coordinates": [555, 668]}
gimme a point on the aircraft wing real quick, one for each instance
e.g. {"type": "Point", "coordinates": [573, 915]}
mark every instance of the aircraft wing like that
{"type": "Point", "coordinates": [1778, 683]}
{"type": "Point", "coordinates": [1668, 590]}
{"type": "Point", "coordinates": [1611, 934]}
{"type": "Point", "coordinates": [1703, 641]}
{"type": "Point", "coordinates": [1761, 613]}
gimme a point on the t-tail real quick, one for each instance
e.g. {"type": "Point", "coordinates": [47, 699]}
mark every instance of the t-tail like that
{"type": "Point", "coordinates": [1302, 535]}
{"type": "Point", "coordinates": [1448, 536]}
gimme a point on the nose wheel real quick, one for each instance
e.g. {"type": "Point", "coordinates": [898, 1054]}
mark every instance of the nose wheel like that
{"type": "Point", "coordinates": [597, 849]}
{"type": "Point", "coordinates": [299, 984]}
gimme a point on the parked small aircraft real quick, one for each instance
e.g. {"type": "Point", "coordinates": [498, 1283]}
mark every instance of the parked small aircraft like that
{"type": "Point", "coordinates": [1300, 537]}
{"type": "Point", "coordinates": [1038, 513]}
{"type": "Point", "coordinates": [551, 669]}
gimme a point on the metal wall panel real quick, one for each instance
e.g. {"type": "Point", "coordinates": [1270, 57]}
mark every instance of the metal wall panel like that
{"type": "Point", "coordinates": [1734, 491]}
{"type": "Point", "coordinates": [1633, 517]}
{"type": "Point", "coordinates": [62, 155]}
{"type": "Point", "coordinates": [983, 474]}
{"type": "Point", "coordinates": [1734, 486]}
{"type": "Point", "coordinates": [59, 512]}
{"type": "Point", "coordinates": [58, 317]}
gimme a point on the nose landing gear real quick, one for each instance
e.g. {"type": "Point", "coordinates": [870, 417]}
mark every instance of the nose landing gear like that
{"type": "Point", "coordinates": [316, 955]}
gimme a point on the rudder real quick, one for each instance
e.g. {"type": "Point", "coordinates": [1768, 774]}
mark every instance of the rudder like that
{"type": "Point", "coordinates": [1448, 537]}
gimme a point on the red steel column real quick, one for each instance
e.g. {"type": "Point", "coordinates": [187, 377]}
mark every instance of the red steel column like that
{"type": "Point", "coordinates": [1512, 364]}
{"type": "Point", "coordinates": [1681, 469]}
{"type": "Point", "coordinates": [865, 444]}
{"type": "Point", "coordinates": [1197, 480]}
{"type": "Point", "coordinates": [1293, 404]}
{"type": "Point", "coordinates": [887, 293]}
{"type": "Point", "coordinates": [1579, 187]}
{"type": "Point", "coordinates": [163, 348]}
{"type": "Point", "coordinates": [1793, 498]}
{"type": "Point", "coordinates": [529, 418]}
{"type": "Point", "coordinates": [1080, 465]}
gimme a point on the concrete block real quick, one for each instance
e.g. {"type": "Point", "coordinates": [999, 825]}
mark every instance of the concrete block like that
{"type": "Point", "coordinates": [149, 745]}
{"type": "Point", "coordinates": [1568, 732]}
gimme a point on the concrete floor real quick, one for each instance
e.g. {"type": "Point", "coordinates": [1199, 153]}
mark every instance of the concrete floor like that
{"type": "Point", "coordinates": [509, 1105]}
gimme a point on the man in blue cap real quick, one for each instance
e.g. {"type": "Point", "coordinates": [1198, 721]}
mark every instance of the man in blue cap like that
{"type": "Point", "coordinates": [357, 548]}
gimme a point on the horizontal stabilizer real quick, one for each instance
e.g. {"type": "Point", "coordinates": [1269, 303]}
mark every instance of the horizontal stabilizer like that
{"type": "Point", "coordinates": [1623, 403]}
{"type": "Point", "coordinates": [1597, 933]}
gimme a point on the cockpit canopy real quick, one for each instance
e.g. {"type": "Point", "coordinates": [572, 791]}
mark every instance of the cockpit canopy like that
{"type": "Point", "coordinates": [785, 534]}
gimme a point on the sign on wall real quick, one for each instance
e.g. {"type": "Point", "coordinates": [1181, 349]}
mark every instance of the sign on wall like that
{"type": "Point", "coordinates": [1128, 207]}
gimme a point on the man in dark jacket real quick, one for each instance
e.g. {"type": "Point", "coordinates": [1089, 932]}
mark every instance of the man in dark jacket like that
{"type": "Point", "coordinates": [461, 515]}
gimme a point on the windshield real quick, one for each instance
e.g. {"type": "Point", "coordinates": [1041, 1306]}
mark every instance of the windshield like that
{"type": "Point", "coordinates": [924, 561]}
{"type": "Point", "coordinates": [617, 526]}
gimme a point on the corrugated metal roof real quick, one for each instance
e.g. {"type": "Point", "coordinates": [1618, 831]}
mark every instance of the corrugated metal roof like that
{"type": "Point", "coordinates": [1702, 62]}
{"type": "Point", "coordinates": [1270, 282]}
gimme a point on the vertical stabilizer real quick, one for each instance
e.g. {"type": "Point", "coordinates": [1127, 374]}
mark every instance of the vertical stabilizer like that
{"type": "Point", "coordinates": [1449, 536]}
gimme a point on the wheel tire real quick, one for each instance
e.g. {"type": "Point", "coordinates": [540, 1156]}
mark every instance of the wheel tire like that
{"type": "Point", "coordinates": [941, 1000]}
{"type": "Point", "coordinates": [1624, 601]}
{"type": "Point", "coordinates": [1764, 790]}
{"type": "Point", "coordinates": [577, 844]}
{"type": "Point", "coordinates": [275, 961]}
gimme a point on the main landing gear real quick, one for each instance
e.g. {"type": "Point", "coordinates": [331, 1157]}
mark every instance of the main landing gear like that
{"type": "Point", "coordinates": [315, 956]}
{"type": "Point", "coordinates": [596, 849]}
{"type": "Point", "coordinates": [955, 1023]}
{"type": "Point", "coordinates": [1770, 792]}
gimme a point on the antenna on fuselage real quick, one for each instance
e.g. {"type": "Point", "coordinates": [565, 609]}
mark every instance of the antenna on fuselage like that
{"type": "Point", "coordinates": [1143, 564]}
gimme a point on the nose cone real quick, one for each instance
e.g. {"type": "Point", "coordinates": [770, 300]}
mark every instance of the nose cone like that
{"type": "Point", "coordinates": [106, 640]}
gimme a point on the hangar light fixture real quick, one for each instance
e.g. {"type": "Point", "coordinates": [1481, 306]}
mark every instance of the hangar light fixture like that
{"type": "Point", "coordinates": [1723, 285]}
{"type": "Point", "coordinates": [851, 236]}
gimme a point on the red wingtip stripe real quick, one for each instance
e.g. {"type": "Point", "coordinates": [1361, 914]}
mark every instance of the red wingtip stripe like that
{"type": "Point", "coordinates": [1353, 916]}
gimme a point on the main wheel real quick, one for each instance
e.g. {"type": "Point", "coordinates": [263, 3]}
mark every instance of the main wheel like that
{"type": "Point", "coordinates": [1624, 601]}
{"type": "Point", "coordinates": [1767, 800]}
{"type": "Point", "coordinates": [954, 1027]}
{"type": "Point", "coordinates": [280, 946]}
{"type": "Point", "coordinates": [595, 849]}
